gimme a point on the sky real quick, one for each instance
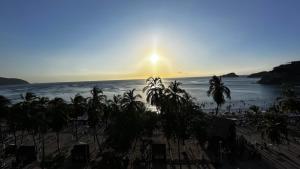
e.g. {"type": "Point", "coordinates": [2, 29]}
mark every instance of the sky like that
{"type": "Point", "coordinates": [79, 40]}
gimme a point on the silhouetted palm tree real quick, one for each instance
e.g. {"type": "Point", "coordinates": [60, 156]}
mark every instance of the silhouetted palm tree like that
{"type": "Point", "coordinates": [15, 119]}
{"type": "Point", "coordinates": [127, 123]}
{"type": "Point", "coordinates": [154, 91]}
{"type": "Point", "coordinates": [174, 118]}
{"type": "Point", "coordinates": [58, 117]}
{"type": "Point", "coordinates": [29, 97]}
{"type": "Point", "coordinates": [29, 118]}
{"type": "Point", "coordinates": [175, 93]}
{"type": "Point", "coordinates": [4, 111]}
{"type": "Point", "coordinates": [115, 104]}
{"type": "Point", "coordinates": [130, 101]}
{"type": "Point", "coordinates": [41, 120]}
{"type": "Point", "coordinates": [96, 110]}
{"type": "Point", "coordinates": [79, 107]}
{"type": "Point", "coordinates": [289, 102]}
{"type": "Point", "coordinates": [218, 91]}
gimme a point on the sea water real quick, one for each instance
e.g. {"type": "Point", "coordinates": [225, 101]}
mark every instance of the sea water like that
{"type": "Point", "coordinates": [244, 91]}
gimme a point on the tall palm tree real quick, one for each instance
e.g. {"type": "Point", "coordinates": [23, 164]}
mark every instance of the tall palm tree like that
{"type": "Point", "coordinates": [115, 104]}
{"type": "Point", "coordinates": [173, 114]}
{"type": "Point", "coordinates": [131, 101]}
{"type": "Point", "coordinates": [154, 91]}
{"type": "Point", "coordinates": [174, 92]}
{"type": "Point", "coordinates": [79, 107]}
{"type": "Point", "coordinates": [41, 120]}
{"type": "Point", "coordinates": [29, 118]}
{"type": "Point", "coordinates": [15, 119]}
{"type": "Point", "coordinates": [96, 110]}
{"type": "Point", "coordinates": [126, 125]}
{"type": "Point", "coordinates": [218, 91]}
{"type": "Point", "coordinates": [29, 97]}
{"type": "Point", "coordinates": [4, 108]}
{"type": "Point", "coordinates": [58, 117]}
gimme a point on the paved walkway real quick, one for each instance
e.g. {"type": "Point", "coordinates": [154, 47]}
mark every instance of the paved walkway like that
{"type": "Point", "coordinates": [283, 156]}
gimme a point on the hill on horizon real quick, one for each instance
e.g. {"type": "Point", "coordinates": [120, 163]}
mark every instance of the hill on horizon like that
{"type": "Point", "coordinates": [12, 81]}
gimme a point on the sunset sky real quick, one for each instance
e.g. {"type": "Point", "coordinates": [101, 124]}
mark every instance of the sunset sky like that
{"type": "Point", "coordinates": [77, 40]}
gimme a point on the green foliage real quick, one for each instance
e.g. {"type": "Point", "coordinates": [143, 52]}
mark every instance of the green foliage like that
{"type": "Point", "coordinates": [57, 114]}
{"type": "Point", "coordinates": [79, 106]}
{"type": "Point", "coordinates": [274, 127]}
{"type": "Point", "coordinates": [289, 102]}
{"type": "Point", "coordinates": [126, 125]}
{"type": "Point", "coordinates": [96, 107]}
{"type": "Point", "coordinates": [154, 91]}
{"type": "Point", "coordinates": [126, 116]}
{"type": "Point", "coordinates": [218, 91]}
{"type": "Point", "coordinates": [4, 103]}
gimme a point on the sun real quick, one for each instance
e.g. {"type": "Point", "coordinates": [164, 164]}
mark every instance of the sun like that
{"type": "Point", "coordinates": [154, 58]}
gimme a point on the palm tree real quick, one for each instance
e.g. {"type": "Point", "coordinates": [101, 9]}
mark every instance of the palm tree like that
{"type": "Point", "coordinates": [29, 97]}
{"type": "Point", "coordinates": [115, 104]}
{"type": "Point", "coordinates": [29, 119]}
{"type": "Point", "coordinates": [218, 91]}
{"type": "Point", "coordinates": [42, 123]}
{"type": "Point", "coordinates": [154, 91]}
{"type": "Point", "coordinates": [130, 101]}
{"type": "Point", "coordinates": [289, 102]}
{"type": "Point", "coordinates": [79, 107]}
{"type": "Point", "coordinates": [96, 110]}
{"type": "Point", "coordinates": [4, 108]}
{"type": "Point", "coordinates": [15, 119]}
{"type": "Point", "coordinates": [174, 118]}
{"type": "Point", "coordinates": [174, 92]}
{"type": "Point", "coordinates": [127, 122]}
{"type": "Point", "coordinates": [58, 117]}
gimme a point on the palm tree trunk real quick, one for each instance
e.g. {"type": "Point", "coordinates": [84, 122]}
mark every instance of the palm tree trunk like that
{"type": "Point", "coordinates": [34, 141]}
{"type": "Point", "coordinates": [98, 143]}
{"type": "Point", "coordinates": [178, 148]}
{"type": "Point", "coordinates": [57, 142]}
{"type": "Point", "coordinates": [39, 139]}
{"type": "Point", "coordinates": [134, 145]}
{"type": "Point", "coordinates": [2, 138]}
{"type": "Point", "coordinates": [76, 128]}
{"type": "Point", "coordinates": [169, 146]}
{"type": "Point", "coordinates": [43, 151]}
{"type": "Point", "coordinates": [15, 137]}
{"type": "Point", "coordinates": [22, 136]}
{"type": "Point", "coordinates": [217, 110]}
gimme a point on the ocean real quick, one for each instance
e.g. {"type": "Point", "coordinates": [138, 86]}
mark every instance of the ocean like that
{"type": "Point", "coordinates": [244, 91]}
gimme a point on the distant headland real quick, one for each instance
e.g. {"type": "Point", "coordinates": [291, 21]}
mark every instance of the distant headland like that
{"type": "Point", "coordinates": [258, 75]}
{"type": "Point", "coordinates": [12, 81]}
{"type": "Point", "coordinates": [230, 75]}
{"type": "Point", "coordinates": [286, 73]}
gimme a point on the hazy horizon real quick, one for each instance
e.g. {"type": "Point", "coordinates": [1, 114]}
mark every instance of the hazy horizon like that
{"type": "Point", "coordinates": [65, 41]}
{"type": "Point", "coordinates": [126, 79]}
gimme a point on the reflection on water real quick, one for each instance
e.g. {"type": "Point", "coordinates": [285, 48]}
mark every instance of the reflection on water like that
{"type": "Point", "coordinates": [244, 91]}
